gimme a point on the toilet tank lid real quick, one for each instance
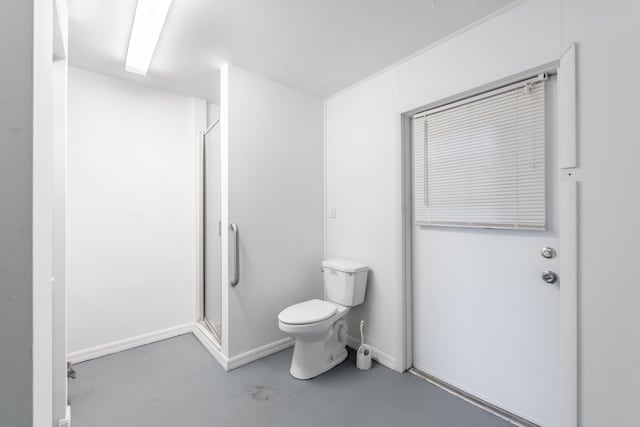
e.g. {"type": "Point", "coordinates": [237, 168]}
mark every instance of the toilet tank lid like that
{"type": "Point", "coordinates": [345, 265]}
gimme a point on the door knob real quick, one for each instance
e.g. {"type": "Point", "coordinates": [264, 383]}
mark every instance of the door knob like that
{"type": "Point", "coordinates": [548, 252]}
{"type": "Point", "coordinates": [549, 276]}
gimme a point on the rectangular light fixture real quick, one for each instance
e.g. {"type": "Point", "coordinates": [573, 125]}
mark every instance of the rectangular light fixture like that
{"type": "Point", "coordinates": [147, 26]}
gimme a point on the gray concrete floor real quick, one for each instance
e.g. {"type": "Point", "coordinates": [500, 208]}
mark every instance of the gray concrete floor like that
{"type": "Point", "coordinates": [176, 383]}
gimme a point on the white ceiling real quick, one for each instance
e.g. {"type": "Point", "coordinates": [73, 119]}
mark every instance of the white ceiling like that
{"type": "Point", "coordinates": [320, 46]}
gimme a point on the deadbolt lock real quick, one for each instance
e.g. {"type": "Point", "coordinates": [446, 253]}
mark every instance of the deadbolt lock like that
{"type": "Point", "coordinates": [549, 276]}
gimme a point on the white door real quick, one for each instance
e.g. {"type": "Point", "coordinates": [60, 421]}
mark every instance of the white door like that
{"type": "Point", "coordinates": [484, 320]}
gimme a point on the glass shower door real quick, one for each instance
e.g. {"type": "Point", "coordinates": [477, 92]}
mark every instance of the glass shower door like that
{"type": "Point", "coordinates": [212, 240]}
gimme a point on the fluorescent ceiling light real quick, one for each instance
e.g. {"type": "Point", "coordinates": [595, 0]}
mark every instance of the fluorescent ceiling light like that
{"type": "Point", "coordinates": [147, 26]}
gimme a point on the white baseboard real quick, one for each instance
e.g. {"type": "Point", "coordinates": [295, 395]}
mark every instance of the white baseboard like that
{"type": "Point", "coordinates": [128, 343]}
{"type": "Point", "coordinates": [258, 353]}
{"type": "Point", "coordinates": [229, 363]}
{"type": "Point", "coordinates": [376, 354]}
{"type": "Point", "coordinates": [66, 422]}
{"type": "Point", "coordinates": [209, 342]}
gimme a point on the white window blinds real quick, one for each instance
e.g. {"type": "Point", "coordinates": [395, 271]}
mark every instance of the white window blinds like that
{"type": "Point", "coordinates": [480, 162]}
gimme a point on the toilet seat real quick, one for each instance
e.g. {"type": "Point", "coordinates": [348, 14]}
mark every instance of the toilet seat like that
{"type": "Point", "coordinates": [307, 312]}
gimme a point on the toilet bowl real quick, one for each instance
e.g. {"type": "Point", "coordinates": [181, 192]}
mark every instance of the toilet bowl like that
{"type": "Point", "coordinates": [318, 327]}
{"type": "Point", "coordinates": [320, 334]}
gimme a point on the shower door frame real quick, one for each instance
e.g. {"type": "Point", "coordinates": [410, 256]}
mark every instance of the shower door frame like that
{"type": "Point", "coordinates": [203, 329]}
{"type": "Point", "coordinates": [217, 335]}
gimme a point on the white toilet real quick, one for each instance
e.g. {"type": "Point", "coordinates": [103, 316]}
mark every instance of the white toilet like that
{"type": "Point", "coordinates": [318, 326]}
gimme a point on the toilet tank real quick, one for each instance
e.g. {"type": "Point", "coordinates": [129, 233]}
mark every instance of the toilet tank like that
{"type": "Point", "coordinates": [345, 281]}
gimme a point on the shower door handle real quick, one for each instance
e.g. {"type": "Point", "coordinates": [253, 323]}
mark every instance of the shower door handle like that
{"type": "Point", "coordinates": [236, 252]}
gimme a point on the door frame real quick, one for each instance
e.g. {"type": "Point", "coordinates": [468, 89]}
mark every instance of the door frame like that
{"type": "Point", "coordinates": [49, 371]}
{"type": "Point", "coordinates": [568, 192]}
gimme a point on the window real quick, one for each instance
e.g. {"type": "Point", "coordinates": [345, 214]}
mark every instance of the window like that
{"type": "Point", "coordinates": [480, 162]}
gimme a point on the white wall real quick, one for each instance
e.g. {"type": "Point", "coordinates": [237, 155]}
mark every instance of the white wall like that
{"type": "Point", "coordinates": [16, 168]}
{"type": "Point", "coordinates": [366, 192]}
{"type": "Point", "coordinates": [273, 151]}
{"type": "Point", "coordinates": [609, 101]}
{"type": "Point", "coordinates": [131, 210]}
{"type": "Point", "coordinates": [363, 186]}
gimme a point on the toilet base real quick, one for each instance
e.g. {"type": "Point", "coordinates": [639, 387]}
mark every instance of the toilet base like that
{"type": "Point", "coordinates": [311, 359]}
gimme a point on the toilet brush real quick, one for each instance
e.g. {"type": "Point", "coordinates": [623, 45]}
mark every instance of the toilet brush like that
{"type": "Point", "coordinates": [363, 360]}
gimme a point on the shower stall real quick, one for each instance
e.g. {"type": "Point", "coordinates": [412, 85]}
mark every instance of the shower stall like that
{"type": "Point", "coordinates": [259, 226]}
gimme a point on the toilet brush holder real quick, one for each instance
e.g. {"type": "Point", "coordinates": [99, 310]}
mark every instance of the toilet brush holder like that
{"type": "Point", "coordinates": [363, 359]}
